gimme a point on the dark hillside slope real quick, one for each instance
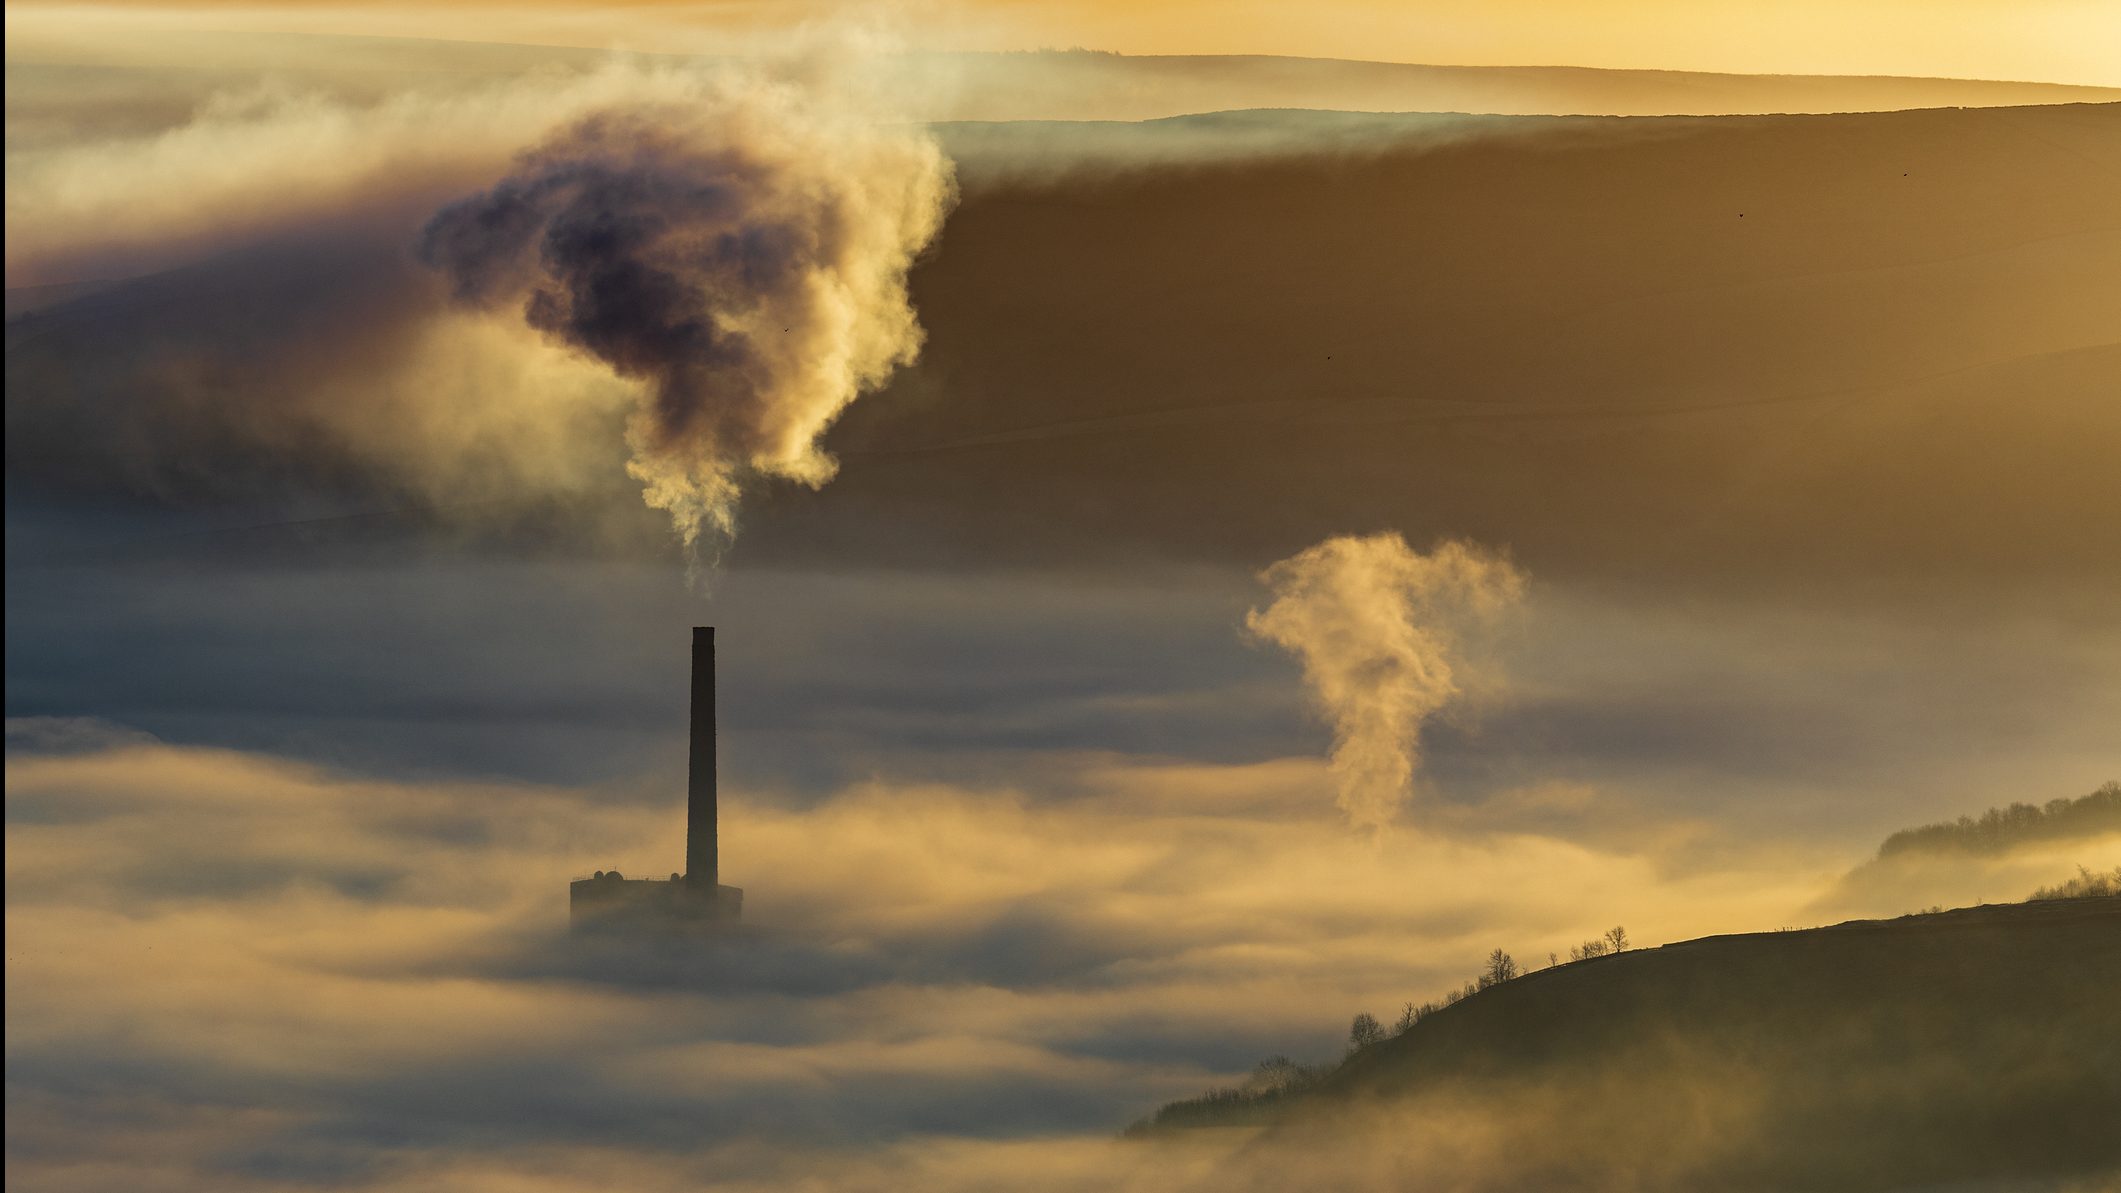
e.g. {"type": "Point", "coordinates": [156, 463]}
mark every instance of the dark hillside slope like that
{"type": "Point", "coordinates": [1981, 1045]}
{"type": "Point", "coordinates": [1781, 350]}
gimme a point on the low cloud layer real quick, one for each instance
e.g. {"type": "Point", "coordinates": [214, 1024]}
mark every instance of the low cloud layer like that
{"type": "Point", "coordinates": [366, 981]}
{"type": "Point", "coordinates": [231, 972]}
{"type": "Point", "coordinates": [1377, 625]}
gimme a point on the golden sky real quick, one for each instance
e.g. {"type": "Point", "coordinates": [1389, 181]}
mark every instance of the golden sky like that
{"type": "Point", "coordinates": [2066, 41]}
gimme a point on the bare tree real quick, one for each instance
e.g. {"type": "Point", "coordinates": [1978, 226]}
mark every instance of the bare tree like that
{"type": "Point", "coordinates": [1274, 1074]}
{"type": "Point", "coordinates": [1552, 960]}
{"type": "Point", "coordinates": [1501, 968]}
{"type": "Point", "coordinates": [1364, 1032]}
{"type": "Point", "coordinates": [1409, 1015]}
{"type": "Point", "coordinates": [1616, 939]}
{"type": "Point", "coordinates": [1587, 950]}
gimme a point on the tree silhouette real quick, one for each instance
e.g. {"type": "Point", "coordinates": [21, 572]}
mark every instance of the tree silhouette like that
{"type": "Point", "coordinates": [1274, 1074]}
{"type": "Point", "coordinates": [1364, 1032]}
{"type": "Point", "coordinates": [1501, 968]}
{"type": "Point", "coordinates": [1616, 939]}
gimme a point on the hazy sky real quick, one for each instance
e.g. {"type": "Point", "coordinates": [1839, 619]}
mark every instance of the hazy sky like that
{"type": "Point", "coordinates": [2066, 41]}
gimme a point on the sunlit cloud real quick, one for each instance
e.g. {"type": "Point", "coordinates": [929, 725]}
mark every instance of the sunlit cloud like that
{"type": "Point", "coordinates": [329, 943]}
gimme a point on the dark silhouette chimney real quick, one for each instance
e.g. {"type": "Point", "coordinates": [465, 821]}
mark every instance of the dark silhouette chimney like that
{"type": "Point", "coordinates": [702, 863]}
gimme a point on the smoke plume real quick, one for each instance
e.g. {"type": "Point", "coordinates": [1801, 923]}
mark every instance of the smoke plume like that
{"type": "Point", "coordinates": [1376, 624]}
{"type": "Point", "coordinates": [743, 259]}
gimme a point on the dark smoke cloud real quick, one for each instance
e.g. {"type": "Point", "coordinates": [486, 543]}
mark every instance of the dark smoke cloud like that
{"type": "Point", "coordinates": [746, 262]}
{"type": "Point", "coordinates": [697, 270]}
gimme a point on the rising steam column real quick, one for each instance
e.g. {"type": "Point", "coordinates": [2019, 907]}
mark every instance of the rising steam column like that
{"type": "Point", "coordinates": [695, 900]}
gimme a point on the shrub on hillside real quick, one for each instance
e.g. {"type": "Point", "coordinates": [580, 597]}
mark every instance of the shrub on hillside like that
{"type": "Point", "coordinates": [2087, 883]}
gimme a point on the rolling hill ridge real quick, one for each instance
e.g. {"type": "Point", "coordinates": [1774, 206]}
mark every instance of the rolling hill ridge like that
{"type": "Point", "coordinates": [1977, 1045]}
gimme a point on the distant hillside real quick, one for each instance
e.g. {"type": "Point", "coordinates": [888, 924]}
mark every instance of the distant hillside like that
{"type": "Point", "coordinates": [133, 83]}
{"type": "Point", "coordinates": [2000, 829]}
{"type": "Point", "coordinates": [1978, 1045]}
{"type": "Point", "coordinates": [2003, 851]}
{"type": "Point", "coordinates": [1757, 351]}
{"type": "Point", "coordinates": [1083, 85]}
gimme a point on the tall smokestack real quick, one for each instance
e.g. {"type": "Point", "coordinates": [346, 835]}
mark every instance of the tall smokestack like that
{"type": "Point", "coordinates": [702, 862]}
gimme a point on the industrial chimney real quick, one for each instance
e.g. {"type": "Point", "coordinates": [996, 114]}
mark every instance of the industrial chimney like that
{"type": "Point", "coordinates": [695, 901]}
{"type": "Point", "coordinates": [702, 861]}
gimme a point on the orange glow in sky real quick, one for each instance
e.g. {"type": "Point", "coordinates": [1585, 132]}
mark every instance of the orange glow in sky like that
{"type": "Point", "coordinates": [2062, 41]}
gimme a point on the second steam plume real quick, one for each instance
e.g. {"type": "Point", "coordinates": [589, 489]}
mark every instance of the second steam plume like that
{"type": "Point", "coordinates": [1377, 626]}
{"type": "Point", "coordinates": [742, 257]}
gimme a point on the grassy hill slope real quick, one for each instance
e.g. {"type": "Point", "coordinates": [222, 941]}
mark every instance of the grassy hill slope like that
{"type": "Point", "coordinates": [1980, 1045]}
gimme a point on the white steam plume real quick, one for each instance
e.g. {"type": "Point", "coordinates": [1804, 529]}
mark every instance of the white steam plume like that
{"type": "Point", "coordinates": [1377, 625]}
{"type": "Point", "coordinates": [742, 257]}
{"type": "Point", "coordinates": [715, 253]}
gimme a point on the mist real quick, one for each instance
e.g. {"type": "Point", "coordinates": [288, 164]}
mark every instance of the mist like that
{"type": "Point", "coordinates": [370, 976]}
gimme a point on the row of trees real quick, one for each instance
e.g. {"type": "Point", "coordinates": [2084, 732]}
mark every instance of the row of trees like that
{"type": "Point", "coordinates": [1615, 940]}
{"type": "Point", "coordinates": [1277, 1077]}
{"type": "Point", "coordinates": [1273, 1080]}
{"type": "Point", "coordinates": [2000, 829]}
{"type": "Point", "coordinates": [1500, 968]}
